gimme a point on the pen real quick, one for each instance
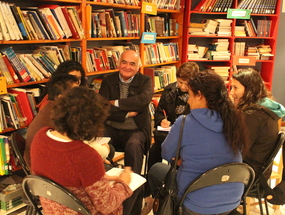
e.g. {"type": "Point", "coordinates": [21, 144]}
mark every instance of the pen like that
{"type": "Point", "coordinates": [164, 112]}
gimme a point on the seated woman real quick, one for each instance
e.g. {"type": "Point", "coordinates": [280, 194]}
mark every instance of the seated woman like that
{"type": "Point", "coordinates": [70, 67]}
{"type": "Point", "coordinates": [261, 115]}
{"type": "Point", "coordinates": [210, 139]}
{"type": "Point", "coordinates": [172, 104]}
{"type": "Point", "coordinates": [61, 155]}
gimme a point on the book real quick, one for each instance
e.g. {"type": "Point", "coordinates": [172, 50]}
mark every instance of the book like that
{"type": "Point", "coordinates": [13, 24]}
{"type": "Point", "coordinates": [7, 67]}
{"type": "Point", "coordinates": [59, 16]}
{"type": "Point", "coordinates": [24, 104]}
{"type": "Point", "coordinates": [38, 21]}
{"type": "Point", "coordinates": [121, 16]}
{"type": "Point", "coordinates": [17, 64]}
{"type": "Point", "coordinates": [19, 20]}
{"type": "Point", "coordinates": [4, 30]}
{"type": "Point", "coordinates": [70, 23]}
{"type": "Point", "coordinates": [136, 179]}
{"type": "Point", "coordinates": [72, 11]}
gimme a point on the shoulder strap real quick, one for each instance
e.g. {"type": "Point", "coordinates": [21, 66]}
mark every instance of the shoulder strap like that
{"type": "Point", "coordinates": [179, 140]}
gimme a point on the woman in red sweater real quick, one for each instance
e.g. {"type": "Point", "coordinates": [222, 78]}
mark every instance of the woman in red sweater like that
{"type": "Point", "coordinates": [61, 155]}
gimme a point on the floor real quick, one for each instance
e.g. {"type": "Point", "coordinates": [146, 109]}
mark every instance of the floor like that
{"type": "Point", "coordinates": [253, 210]}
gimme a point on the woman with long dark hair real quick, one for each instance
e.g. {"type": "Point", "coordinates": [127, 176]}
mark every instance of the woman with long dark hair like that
{"type": "Point", "coordinates": [210, 139]}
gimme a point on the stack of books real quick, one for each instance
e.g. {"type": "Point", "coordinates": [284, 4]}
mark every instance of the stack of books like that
{"type": "Point", "coordinates": [252, 51]}
{"type": "Point", "coordinates": [239, 31]}
{"type": "Point", "coordinates": [219, 50]}
{"type": "Point", "coordinates": [224, 27]}
{"type": "Point", "coordinates": [223, 71]}
{"type": "Point", "coordinates": [264, 51]}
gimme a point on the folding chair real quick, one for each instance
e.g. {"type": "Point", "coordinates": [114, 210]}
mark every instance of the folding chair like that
{"type": "Point", "coordinates": [257, 191]}
{"type": "Point", "coordinates": [39, 186]}
{"type": "Point", "coordinates": [226, 173]}
{"type": "Point", "coordinates": [18, 144]}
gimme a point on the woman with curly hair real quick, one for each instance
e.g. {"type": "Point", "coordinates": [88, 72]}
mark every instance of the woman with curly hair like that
{"type": "Point", "coordinates": [60, 154]}
{"type": "Point", "coordinates": [261, 115]}
{"type": "Point", "coordinates": [210, 138]}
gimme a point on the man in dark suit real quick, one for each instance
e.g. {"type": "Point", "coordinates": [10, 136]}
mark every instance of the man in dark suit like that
{"type": "Point", "coordinates": [128, 125]}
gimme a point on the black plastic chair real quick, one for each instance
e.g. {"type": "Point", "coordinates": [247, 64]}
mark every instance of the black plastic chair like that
{"type": "Point", "coordinates": [226, 173]}
{"type": "Point", "coordinates": [256, 190]}
{"type": "Point", "coordinates": [18, 144]}
{"type": "Point", "coordinates": [35, 186]}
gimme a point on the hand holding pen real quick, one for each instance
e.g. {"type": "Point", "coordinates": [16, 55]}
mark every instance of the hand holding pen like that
{"type": "Point", "coordinates": [165, 123]}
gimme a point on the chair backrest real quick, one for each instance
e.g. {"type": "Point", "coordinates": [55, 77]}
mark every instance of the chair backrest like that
{"type": "Point", "coordinates": [34, 186]}
{"type": "Point", "coordinates": [18, 144]}
{"type": "Point", "coordinates": [270, 159]}
{"type": "Point", "coordinates": [226, 173]}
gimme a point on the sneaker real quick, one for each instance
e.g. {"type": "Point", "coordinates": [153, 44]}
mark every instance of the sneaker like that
{"type": "Point", "coordinates": [148, 203]}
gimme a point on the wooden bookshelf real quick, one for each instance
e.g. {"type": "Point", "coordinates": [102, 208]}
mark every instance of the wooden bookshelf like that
{"type": "Point", "coordinates": [264, 66]}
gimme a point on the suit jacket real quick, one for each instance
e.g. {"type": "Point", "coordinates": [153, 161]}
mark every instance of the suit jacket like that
{"type": "Point", "coordinates": [138, 99]}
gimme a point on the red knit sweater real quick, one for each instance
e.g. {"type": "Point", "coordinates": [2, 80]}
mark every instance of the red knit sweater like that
{"type": "Point", "coordinates": [78, 167]}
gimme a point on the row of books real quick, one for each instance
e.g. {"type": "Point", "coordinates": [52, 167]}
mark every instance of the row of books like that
{"type": "Point", "coordinates": [17, 68]}
{"type": "Point", "coordinates": [161, 76]}
{"type": "Point", "coordinates": [222, 27]}
{"type": "Point", "coordinates": [110, 23]}
{"type": "Point", "coordinates": [17, 108]}
{"type": "Point", "coordinates": [50, 22]}
{"type": "Point", "coordinates": [160, 53]}
{"type": "Point", "coordinates": [168, 4]}
{"type": "Point", "coordinates": [259, 6]}
{"type": "Point", "coordinates": [106, 57]}
{"type": "Point", "coordinates": [163, 25]}
{"type": "Point", "coordinates": [8, 164]}
{"type": "Point", "coordinates": [213, 5]}
{"type": "Point", "coordinates": [126, 2]}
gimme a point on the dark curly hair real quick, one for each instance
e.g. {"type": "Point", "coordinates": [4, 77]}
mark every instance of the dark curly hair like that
{"type": "Point", "coordinates": [59, 83]}
{"type": "Point", "coordinates": [80, 113]}
{"type": "Point", "coordinates": [213, 88]}
{"type": "Point", "coordinates": [255, 89]}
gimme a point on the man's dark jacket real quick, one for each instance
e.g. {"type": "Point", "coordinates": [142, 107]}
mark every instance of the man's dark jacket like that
{"type": "Point", "coordinates": [139, 97]}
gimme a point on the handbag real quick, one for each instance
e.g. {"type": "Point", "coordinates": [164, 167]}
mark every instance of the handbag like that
{"type": "Point", "coordinates": [166, 200]}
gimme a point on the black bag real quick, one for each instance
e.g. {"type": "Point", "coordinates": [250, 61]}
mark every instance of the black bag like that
{"type": "Point", "coordinates": [166, 200]}
{"type": "Point", "coordinates": [275, 196]}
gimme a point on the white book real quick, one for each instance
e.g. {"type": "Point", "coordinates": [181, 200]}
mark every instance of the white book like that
{"type": "Point", "coordinates": [38, 65]}
{"type": "Point", "coordinates": [62, 21]}
{"type": "Point", "coordinates": [13, 22]}
{"type": "Point", "coordinates": [4, 29]}
{"type": "Point", "coordinates": [136, 179]}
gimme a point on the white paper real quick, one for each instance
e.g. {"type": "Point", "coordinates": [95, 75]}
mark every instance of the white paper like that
{"type": "Point", "coordinates": [159, 128]}
{"type": "Point", "coordinates": [136, 179]}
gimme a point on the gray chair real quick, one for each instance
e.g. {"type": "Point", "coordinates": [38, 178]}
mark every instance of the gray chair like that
{"type": "Point", "coordinates": [226, 173]}
{"type": "Point", "coordinates": [18, 144]}
{"type": "Point", "coordinates": [257, 191]}
{"type": "Point", "coordinates": [37, 186]}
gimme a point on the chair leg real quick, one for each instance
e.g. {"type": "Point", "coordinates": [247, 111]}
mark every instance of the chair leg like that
{"type": "Point", "coordinates": [260, 202]}
{"type": "Point", "coordinates": [266, 206]}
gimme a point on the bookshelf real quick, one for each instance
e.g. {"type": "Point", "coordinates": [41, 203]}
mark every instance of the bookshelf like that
{"type": "Point", "coordinates": [241, 40]}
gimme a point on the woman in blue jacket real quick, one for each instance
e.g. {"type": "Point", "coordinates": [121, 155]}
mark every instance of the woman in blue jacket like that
{"type": "Point", "coordinates": [214, 134]}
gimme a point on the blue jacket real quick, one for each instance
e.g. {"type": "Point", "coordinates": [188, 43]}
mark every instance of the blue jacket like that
{"type": "Point", "coordinates": [203, 147]}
